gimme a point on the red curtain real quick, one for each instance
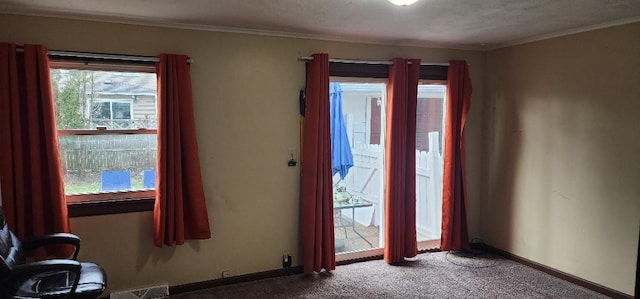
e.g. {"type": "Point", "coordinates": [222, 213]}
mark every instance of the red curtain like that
{"type": "Point", "coordinates": [317, 193]}
{"type": "Point", "coordinates": [454, 218]}
{"type": "Point", "coordinates": [30, 170]}
{"type": "Point", "coordinates": [180, 211]}
{"type": "Point", "coordinates": [400, 167]}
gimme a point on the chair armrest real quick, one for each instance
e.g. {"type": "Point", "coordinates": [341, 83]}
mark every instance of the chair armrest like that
{"type": "Point", "coordinates": [24, 271]}
{"type": "Point", "coordinates": [53, 239]}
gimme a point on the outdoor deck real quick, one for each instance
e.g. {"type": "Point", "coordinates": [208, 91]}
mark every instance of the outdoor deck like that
{"type": "Point", "coordinates": [353, 242]}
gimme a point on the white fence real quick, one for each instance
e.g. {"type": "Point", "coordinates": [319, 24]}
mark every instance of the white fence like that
{"type": "Point", "coordinates": [365, 179]}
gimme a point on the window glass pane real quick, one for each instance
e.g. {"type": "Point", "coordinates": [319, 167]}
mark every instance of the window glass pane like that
{"type": "Point", "coordinates": [121, 110]}
{"type": "Point", "coordinates": [359, 195]}
{"type": "Point", "coordinates": [101, 110]}
{"type": "Point", "coordinates": [102, 163]}
{"type": "Point", "coordinates": [429, 162]}
{"type": "Point", "coordinates": [87, 99]}
{"type": "Point", "coordinates": [97, 163]}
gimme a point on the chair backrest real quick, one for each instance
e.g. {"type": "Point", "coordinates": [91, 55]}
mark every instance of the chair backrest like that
{"type": "Point", "coordinates": [9, 247]}
{"type": "Point", "coordinates": [50, 282]}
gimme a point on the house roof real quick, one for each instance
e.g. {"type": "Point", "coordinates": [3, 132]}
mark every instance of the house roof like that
{"type": "Point", "coordinates": [124, 83]}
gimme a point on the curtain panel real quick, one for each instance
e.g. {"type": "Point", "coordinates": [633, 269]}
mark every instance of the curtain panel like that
{"type": "Point", "coordinates": [30, 170]}
{"type": "Point", "coordinates": [317, 193]}
{"type": "Point", "coordinates": [454, 218]}
{"type": "Point", "coordinates": [400, 166]}
{"type": "Point", "coordinates": [180, 211]}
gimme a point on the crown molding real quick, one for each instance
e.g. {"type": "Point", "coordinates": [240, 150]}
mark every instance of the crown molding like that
{"type": "Point", "coordinates": [128, 20]}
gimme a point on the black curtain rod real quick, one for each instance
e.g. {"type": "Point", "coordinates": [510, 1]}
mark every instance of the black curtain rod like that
{"type": "Point", "coordinates": [384, 62]}
{"type": "Point", "coordinates": [101, 56]}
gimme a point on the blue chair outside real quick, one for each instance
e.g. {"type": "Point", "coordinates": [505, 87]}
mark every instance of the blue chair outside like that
{"type": "Point", "coordinates": [149, 178]}
{"type": "Point", "coordinates": [115, 180]}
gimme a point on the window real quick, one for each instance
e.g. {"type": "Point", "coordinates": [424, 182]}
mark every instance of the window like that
{"type": "Point", "coordinates": [359, 195]}
{"type": "Point", "coordinates": [107, 120]}
{"type": "Point", "coordinates": [111, 109]}
{"type": "Point", "coordinates": [429, 162]}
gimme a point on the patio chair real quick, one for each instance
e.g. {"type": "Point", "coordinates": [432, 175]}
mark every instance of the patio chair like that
{"type": "Point", "coordinates": [115, 180]}
{"type": "Point", "coordinates": [149, 178]}
{"type": "Point", "coordinates": [53, 279]}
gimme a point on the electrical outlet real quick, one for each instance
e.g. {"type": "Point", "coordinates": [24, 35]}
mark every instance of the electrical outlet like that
{"type": "Point", "coordinates": [226, 274]}
{"type": "Point", "coordinates": [286, 260]}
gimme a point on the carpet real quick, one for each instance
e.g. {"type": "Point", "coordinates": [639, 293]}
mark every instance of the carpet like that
{"type": "Point", "coordinates": [431, 275]}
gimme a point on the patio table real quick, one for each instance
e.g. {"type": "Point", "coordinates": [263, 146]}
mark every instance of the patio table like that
{"type": "Point", "coordinates": [353, 204]}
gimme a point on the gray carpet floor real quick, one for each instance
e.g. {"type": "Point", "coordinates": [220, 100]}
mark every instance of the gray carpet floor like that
{"type": "Point", "coordinates": [432, 275]}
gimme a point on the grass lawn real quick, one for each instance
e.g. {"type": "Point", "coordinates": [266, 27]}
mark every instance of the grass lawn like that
{"type": "Point", "coordinates": [76, 188]}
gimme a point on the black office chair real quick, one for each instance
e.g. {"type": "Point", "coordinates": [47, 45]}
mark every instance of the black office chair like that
{"type": "Point", "coordinates": [55, 278]}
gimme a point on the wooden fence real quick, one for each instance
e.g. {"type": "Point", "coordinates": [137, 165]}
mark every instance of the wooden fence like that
{"type": "Point", "coordinates": [95, 153]}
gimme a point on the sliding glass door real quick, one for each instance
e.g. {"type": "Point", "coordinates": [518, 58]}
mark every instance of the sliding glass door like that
{"type": "Point", "coordinates": [429, 163]}
{"type": "Point", "coordinates": [358, 189]}
{"type": "Point", "coordinates": [358, 121]}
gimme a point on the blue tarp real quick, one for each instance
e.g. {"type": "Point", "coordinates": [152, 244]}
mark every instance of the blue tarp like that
{"type": "Point", "coordinates": [341, 156]}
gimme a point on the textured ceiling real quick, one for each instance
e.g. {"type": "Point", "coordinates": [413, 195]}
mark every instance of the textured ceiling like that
{"type": "Point", "coordinates": [465, 24]}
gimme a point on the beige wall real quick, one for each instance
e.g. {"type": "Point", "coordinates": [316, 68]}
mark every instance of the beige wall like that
{"type": "Point", "coordinates": [562, 153]}
{"type": "Point", "coordinates": [246, 108]}
{"type": "Point", "coordinates": [556, 162]}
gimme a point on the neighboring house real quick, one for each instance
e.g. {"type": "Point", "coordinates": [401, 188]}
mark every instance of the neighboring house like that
{"type": "Point", "coordinates": [87, 99]}
{"type": "Point", "coordinates": [120, 100]}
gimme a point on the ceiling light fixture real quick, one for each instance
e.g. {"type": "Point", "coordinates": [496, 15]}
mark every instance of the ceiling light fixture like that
{"type": "Point", "coordinates": [403, 2]}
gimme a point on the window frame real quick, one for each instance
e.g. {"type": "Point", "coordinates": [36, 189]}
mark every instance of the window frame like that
{"type": "Point", "coordinates": [361, 77]}
{"type": "Point", "coordinates": [103, 203]}
{"type": "Point", "coordinates": [357, 72]}
{"type": "Point", "coordinates": [83, 198]}
{"type": "Point", "coordinates": [381, 71]}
